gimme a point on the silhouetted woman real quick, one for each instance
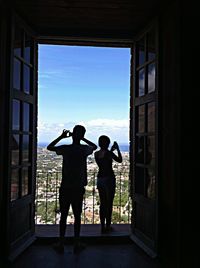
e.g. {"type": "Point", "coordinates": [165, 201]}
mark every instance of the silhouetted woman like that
{"type": "Point", "coordinates": [106, 180]}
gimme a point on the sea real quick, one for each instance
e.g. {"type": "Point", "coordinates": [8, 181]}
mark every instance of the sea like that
{"type": "Point", "coordinates": [122, 147]}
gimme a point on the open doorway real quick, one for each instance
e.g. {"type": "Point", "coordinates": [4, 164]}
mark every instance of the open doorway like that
{"type": "Point", "coordinates": [144, 111]}
{"type": "Point", "coordinates": [88, 86]}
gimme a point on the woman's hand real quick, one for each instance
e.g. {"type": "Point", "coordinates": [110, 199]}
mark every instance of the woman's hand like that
{"type": "Point", "coordinates": [115, 146]}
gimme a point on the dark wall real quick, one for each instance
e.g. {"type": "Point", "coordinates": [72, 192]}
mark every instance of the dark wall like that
{"type": "Point", "coordinates": [190, 93]}
{"type": "Point", "coordinates": [169, 180]}
{"type": "Point", "coordinates": [4, 115]}
{"type": "Point", "coordinates": [178, 188]}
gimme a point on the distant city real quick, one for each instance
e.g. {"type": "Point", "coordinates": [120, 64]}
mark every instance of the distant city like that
{"type": "Point", "coordinates": [49, 172]}
{"type": "Point", "coordinates": [123, 147]}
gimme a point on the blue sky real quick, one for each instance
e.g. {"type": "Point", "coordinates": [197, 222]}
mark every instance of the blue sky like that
{"type": "Point", "coordinates": [83, 85]}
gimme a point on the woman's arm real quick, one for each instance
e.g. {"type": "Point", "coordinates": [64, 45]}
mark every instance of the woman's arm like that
{"type": "Point", "coordinates": [118, 157]}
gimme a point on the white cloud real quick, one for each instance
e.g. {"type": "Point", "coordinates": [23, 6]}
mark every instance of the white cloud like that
{"type": "Point", "coordinates": [116, 129]}
{"type": "Point", "coordinates": [49, 74]}
{"type": "Point", "coordinates": [108, 123]}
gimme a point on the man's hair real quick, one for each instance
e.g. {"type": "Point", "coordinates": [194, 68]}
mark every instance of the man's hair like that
{"type": "Point", "coordinates": [79, 131]}
{"type": "Point", "coordinates": [104, 141]}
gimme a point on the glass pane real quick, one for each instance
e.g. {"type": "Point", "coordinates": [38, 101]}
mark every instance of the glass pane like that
{"type": "Point", "coordinates": [151, 117]}
{"type": "Point", "coordinates": [139, 180]}
{"type": "Point", "coordinates": [151, 77]}
{"type": "Point", "coordinates": [151, 45]}
{"type": "Point", "coordinates": [25, 148]}
{"type": "Point", "coordinates": [151, 189]}
{"type": "Point", "coordinates": [16, 115]}
{"type": "Point", "coordinates": [141, 119]}
{"type": "Point", "coordinates": [26, 116]}
{"type": "Point", "coordinates": [141, 83]}
{"type": "Point", "coordinates": [140, 150]}
{"type": "Point", "coordinates": [150, 171]}
{"type": "Point", "coordinates": [26, 79]}
{"type": "Point", "coordinates": [18, 42]}
{"type": "Point", "coordinates": [14, 184]}
{"type": "Point", "coordinates": [150, 149]}
{"type": "Point", "coordinates": [16, 74]}
{"type": "Point", "coordinates": [15, 149]}
{"type": "Point", "coordinates": [24, 181]}
{"type": "Point", "coordinates": [141, 52]}
{"type": "Point", "coordinates": [27, 49]}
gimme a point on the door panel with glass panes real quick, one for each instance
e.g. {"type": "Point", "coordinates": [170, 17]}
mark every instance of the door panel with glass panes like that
{"type": "Point", "coordinates": [23, 99]}
{"type": "Point", "coordinates": [144, 138]}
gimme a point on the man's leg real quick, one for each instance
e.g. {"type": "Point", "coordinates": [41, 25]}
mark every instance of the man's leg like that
{"type": "Point", "coordinates": [64, 209]}
{"type": "Point", "coordinates": [77, 204]}
{"type": "Point", "coordinates": [63, 219]}
{"type": "Point", "coordinates": [77, 210]}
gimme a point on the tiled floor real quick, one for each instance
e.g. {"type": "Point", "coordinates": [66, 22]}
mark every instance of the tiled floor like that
{"type": "Point", "coordinates": [93, 256]}
{"type": "Point", "coordinates": [87, 230]}
{"type": "Point", "coordinates": [114, 250]}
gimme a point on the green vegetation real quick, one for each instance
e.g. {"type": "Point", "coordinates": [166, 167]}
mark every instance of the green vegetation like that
{"type": "Point", "coordinates": [47, 192]}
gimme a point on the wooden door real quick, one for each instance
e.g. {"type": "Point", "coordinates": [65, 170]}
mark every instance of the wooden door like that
{"type": "Point", "coordinates": [143, 133]}
{"type": "Point", "coordinates": [22, 136]}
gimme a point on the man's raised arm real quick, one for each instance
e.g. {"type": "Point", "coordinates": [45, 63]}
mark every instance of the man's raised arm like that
{"type": "Point", "coordinates": [65, 134]}
{"type": "Point", "coordinates": [93, 145]}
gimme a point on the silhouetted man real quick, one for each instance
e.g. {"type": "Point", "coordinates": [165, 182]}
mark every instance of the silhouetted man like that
{"type": "Point", "coordinates": [74, 180]}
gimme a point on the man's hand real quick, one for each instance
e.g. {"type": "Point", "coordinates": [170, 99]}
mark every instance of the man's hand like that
{"type": "Point", "coordinates": [93, 145]}
{"type": "Point", "coordinates": [66, 134]}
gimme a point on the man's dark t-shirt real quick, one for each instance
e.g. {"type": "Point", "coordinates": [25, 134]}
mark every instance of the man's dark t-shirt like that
{"type": "Point", "coordinates": [74, 169]}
